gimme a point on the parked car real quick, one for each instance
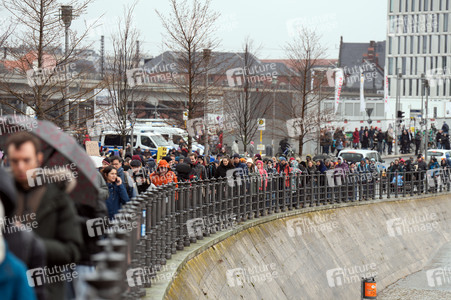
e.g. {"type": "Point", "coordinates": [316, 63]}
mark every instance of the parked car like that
{"type": "Point", "coordinates": [356, 155]}
{"type": "Point", "coordinates": [438, 153]}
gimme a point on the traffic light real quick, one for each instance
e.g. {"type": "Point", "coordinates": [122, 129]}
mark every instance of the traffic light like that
{"type": "Point", "coordinates": [400, 116]}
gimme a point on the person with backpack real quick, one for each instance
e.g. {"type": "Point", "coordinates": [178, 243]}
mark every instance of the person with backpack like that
{"type": "Point", "coordinates": [116, 162]}
{"type": "Point", "coordinates": [211, 169]}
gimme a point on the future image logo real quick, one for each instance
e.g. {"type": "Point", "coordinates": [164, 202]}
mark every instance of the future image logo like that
{"type": "Point", "coordinates": [260, 73]}
{"type": "Point", "coordinates": [318, 223]}
{"type": "Point", "coordinates": [46, 275]}
{"type": "Point", "coordinates": [235, 176]}
{"type": "Point", "coordinates": [158, 74]}
{"type": "Point", "coordinates": [46, 175]}
{"type": "Point", "coordinates": [52, 75]}
{"type": "Point", "coordinates": [424, 222]}
{"type": "Point", "coordinates": [251, 275]}
{"type": "Point", "coordinates": [438, 277]}
{"type": "Point", "coordinates": [338, 277]}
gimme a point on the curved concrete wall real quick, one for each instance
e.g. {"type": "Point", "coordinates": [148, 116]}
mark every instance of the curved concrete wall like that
{"type": "Point", "coordinates": [321, 254]}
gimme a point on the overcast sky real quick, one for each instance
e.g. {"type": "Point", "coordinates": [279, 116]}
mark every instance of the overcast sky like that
{"type": "Point", "coordinates": [268, 23]}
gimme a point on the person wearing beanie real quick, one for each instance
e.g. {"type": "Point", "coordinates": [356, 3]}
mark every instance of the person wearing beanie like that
{"type": "Point", "coordinates": [137, 157]}
{"type": "Point", "coordinates": [163, 175]}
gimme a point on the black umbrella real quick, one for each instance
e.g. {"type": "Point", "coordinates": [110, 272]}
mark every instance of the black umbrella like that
{"type": "Point", "coordinates": [7, 192]}
{"type": "Point", "coordinates": [321, 156]}
{"type": "Point", "coordinates": [60, 149]}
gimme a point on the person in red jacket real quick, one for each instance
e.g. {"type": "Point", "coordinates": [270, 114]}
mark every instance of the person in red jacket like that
{"type": "Point", "coordinates": [356, 138]}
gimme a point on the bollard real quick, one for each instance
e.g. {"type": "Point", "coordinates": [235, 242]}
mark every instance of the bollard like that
{"type": "Point", "coordinates": [369, 290]}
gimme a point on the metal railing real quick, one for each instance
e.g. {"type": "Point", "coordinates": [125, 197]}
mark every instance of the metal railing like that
{"type": "Point", "coordinates": [152, 227]}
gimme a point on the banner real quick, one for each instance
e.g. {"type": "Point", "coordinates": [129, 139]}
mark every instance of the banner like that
{"type": "Point", "coordinates": [162, 152]}
{"type": "Point", "coordinates": [338, 86]}
{"type": "Point", "coordinates": [92, 148]}
{"type": "Point", "coordinates": [362, 88]}
{"type": "Point", "coordinates": [386, 97]}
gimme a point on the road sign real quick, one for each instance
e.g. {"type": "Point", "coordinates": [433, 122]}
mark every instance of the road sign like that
{"type": "Point", "coordinates": [162, 151]}
{"type": "Point", "coordinates": [260, 147]}
{"type": "Point", "coordinates": [261, 124]}
{"type": "Point", "coordinates": [185, 116]}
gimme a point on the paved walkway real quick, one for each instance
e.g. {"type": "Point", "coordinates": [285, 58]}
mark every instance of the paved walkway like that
{"type": "Point", "coordinates": [432, 282]}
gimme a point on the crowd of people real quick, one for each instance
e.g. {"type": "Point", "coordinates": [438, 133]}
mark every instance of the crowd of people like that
{"type": "Point", "coordinates": [62, 237]}
{"type": "Point", "coordinates": [374, 138]}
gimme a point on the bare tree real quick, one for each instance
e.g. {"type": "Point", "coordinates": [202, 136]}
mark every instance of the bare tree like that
{"type": "Point", "coordinates": [189, 29]}
{"type": "Point", "coordinates": [245, 106]}
{"type": "Point", "coordinates": [304, 53]}
{"type": "Point", "coordinates": [122, 66]}
{"type": "Point", "coordinates": [35, 53]}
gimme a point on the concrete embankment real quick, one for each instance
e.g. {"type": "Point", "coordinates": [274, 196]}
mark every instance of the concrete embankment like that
{"type": "Point", "coordinates": [319, 254]}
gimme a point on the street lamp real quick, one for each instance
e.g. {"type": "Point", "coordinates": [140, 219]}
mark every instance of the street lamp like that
{"type": "Point", "coordinates": [397, 122]}
{"type": "Point", "coordinates": [66, 16]}
{"type": "Point", "coordinates": [426, 135]}
{"type": "Point", "coordinates": [273, 82]}
{"type": "Point", "coordinates": [207, 55]}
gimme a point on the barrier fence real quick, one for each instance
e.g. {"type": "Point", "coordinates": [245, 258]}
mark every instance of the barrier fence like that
{"type": "Point", "coordinates": [140, 241]}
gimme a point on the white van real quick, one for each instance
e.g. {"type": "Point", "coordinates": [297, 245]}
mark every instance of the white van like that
{"type": "Point", "coordinates": [356, 155]}
{"type": "Point", "coordinates": [172, 136]}
{"type": "Point", "coordinates": [144, 139]}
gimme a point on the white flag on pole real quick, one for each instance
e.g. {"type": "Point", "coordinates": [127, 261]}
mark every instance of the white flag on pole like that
{"type": "Point", "coordinates": [362, 88]}
{"type": "Point", "coordinates": [311, 84]}
{"type": "Point", "coordinates": [386, 97]}
{"type": "Point", "coordinates": [338, 86]}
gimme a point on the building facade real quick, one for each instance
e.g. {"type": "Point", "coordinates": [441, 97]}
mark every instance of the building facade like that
{"type": "Point", "coordinates": [419, 42]}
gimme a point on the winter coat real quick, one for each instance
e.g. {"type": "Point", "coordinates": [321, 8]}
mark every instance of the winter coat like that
{"type": "Point", "coordinates": [29, 248]}
{"type": "Point", "coordinates": [127, 181]}
{"type": "Point", "coordinates": [117, 196]}
{"type": "Point", "coordinates": [221, 170]}
{"type": "Point", "coordinates": [355, 137]}
{"type": "Point", "coordinates": [184, 172]}
{"type": "Point", "coordinates": [88, 212]}
{"type": "Point", "coordinates": [405, 138]}
{"type": "Point", "coordinates": [322, 167]}
{"type": "Point", "coordinates": [159, 179]}
{"type": "Point", "coordinates": [200, 171]}
{"type": "Point", "coordinates": [13, 279]}
{"type": "Point", "coordinates": [343, 166]}
{"type": "Point", "coordinates": [58, 228]}
{"type": "Point", "coordinates": [264, 176]}
{"type": "Point", "coordinates": [251, 150]}
{"type": "Point", "coordinates": [286, 170]}
{"type": "Point", "coordinates": [365, 141]}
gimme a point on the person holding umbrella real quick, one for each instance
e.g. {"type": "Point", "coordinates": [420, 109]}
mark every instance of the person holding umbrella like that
{"type": "Point", "coordinates": [54, 211]}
